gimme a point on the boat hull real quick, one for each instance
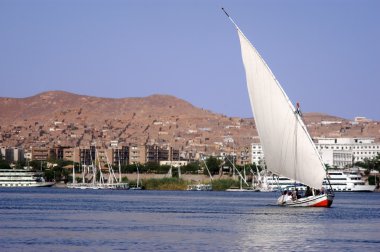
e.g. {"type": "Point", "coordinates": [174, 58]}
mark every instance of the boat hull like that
{"type": "Point", "coordinates": [324, 200]}
{"type": "Point", "coordinates": [200, 187]}
{"type": "Point", "coordinates": [355, 188]}
{"type": "Point", "coordinates": [28, 184]}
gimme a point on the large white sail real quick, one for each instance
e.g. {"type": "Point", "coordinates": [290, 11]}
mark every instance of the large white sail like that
{"type": "Point", "coordinates": [288, 148]}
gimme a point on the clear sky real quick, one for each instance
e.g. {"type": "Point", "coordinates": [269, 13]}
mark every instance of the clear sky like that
{"type": "Point", "coordinates": [325, 54]}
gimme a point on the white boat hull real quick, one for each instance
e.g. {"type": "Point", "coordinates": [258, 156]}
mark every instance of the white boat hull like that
{"type": "Point", "coordinates": [241, 190]}
{"type": "Point", "coordinates": [355, 188]}
{"type": "Point", "coordinates": [323, 200]}
{"type": "Point", "coordinates": [27, 184]}
{"type": "Point", "coordinates": [199, 187]}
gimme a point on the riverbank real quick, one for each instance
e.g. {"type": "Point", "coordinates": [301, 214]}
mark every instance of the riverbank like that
{"type": "Point", "coordinates": [163, 182]}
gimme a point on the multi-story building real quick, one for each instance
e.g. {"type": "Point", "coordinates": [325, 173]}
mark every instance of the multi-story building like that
{"type": "Point", "coordinates": [87, 155]}
{"type": "Point", "coordinates": [121, 155]}
{"type": "Point", "coordinates": [336, 152]}
{"type": "Point", "coordinates": [244, 156]}
{"type": "Point", "coordinates": [41, 153]}
{"type": "Point", "coordinates": [155, 153]}
{"type": "Point", "coordinates": [72, 154]}
{"type": "Point", "coordinates": [65, 153]}
{"type": "Point", "coordinates": [257, 153]}
{"type": "Point", "coordinates": [12, 154]}
{"type": "Point", "coordinates": [137, 154]}
{"type": "Point", "coordinates": [342, 152]}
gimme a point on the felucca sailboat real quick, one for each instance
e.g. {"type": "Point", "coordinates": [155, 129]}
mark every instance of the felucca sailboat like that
{"type": "Point", "coordinates": [288, 147]}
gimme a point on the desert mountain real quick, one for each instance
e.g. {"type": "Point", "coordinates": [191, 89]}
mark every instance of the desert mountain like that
{"type": "Point", "coordinates": [62, 118]}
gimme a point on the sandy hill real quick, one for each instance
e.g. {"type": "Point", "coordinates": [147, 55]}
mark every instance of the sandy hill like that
{"type": "Point", "coordinates": [62, 118]}
{"type": "Point", "coordinates": [56, 103]}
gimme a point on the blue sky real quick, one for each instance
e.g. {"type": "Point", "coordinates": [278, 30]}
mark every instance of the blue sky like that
{"type": "Point", "coordinates": [324, 53]}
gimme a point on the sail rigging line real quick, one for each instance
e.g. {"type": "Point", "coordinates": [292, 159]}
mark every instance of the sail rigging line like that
{"type": "Point", "coordinates": [241, 176]}
{"type": "Point", "coordinates": [209, 173]}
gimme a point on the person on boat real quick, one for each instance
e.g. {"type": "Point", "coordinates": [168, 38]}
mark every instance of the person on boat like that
{"type": "Point", "coordinates": [294, 195]}
{"type": "Point", "coordinates": [298, 194]}
{"type": "Point", "coordinates": [284, 196]}
{"type": "Point", "coordinates": [298, 109]}
{"type": "Point", "coordinates": [290, 197]}
{"type": "Point", "coordinates": [308, 192]}
{"type": "Point", "coordinates": [323, 190]}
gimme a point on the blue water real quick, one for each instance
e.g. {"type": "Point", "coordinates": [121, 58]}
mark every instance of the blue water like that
{"type": "Point", "coordinates": [54, 219]}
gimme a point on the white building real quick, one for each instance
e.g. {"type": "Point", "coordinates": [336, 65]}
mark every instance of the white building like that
{"type": "Point", "coordinates": [341, 152]}
{"type": "Point", "coordinates": [336, 152]}
{"type": "Point", "coordinates": [257, 153]}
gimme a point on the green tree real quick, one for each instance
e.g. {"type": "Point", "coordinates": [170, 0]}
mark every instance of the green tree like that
{"type": "Point", "coordinates": [328, 167]}
{"type": "Point", "coordinates": [228, 162]}
{"type": "Point", "coordinates": [20, 164]}
{"type": "Point", "coordinates": [131, 168]}
{"type": "Point", "coordinates": [191, 168]}
{"type": "Point", "coordinates": [4, 164]}
{"type": "Point", "coordinates": [213, 164]}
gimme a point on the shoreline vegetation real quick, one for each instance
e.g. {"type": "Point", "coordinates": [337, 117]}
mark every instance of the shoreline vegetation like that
{"type": "Point", "coordinates": [221, 174]}
{"type": "Point", "coordinates": [152, 176]}
{"type": "Point", "coordinates": [178, 184]}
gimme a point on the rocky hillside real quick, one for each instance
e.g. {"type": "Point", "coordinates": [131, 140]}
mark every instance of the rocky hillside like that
{"type": "Point", "coordinates": [62, 118]}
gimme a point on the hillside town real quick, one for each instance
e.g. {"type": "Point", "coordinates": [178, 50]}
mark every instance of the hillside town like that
{"type": "Point", "coordinates": [336, 152]}
{"type": "Point", "coordinates": [160, 129]}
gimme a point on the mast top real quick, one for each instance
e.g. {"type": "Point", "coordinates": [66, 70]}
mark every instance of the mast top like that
{"type": "Point", "coordinates": [225, 12]}
{"type": "Point", "coordinates": [232, 21]}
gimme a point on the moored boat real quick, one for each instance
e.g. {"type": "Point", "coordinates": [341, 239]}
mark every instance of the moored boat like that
{"type": "Point", "coordinates": [22, 178]}
{"type": "Point", "coordinates": [347, 181]}
{"type": "Point", "coordinates": [199, 187]}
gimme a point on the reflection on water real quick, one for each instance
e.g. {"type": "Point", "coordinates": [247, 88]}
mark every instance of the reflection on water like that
{"type": "Point", "coordinates": [80, 220]}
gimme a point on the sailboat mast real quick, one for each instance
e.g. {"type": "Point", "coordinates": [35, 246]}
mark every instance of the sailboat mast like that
{"type": "Point", "coordinates": [232, 21]}
{"type": "Point", "coordinates": [74, 165]}
{"type": "Point", "coordinates": [118, 153]}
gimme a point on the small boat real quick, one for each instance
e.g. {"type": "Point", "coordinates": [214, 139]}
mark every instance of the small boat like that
{"type": "Point", "coordinates": [138, 186]}
{"type": "Point", "coordinates": [199, 187]}
{"type": "Point", "coordinates": [289, 150]}
{"type": "Point", "coordinates": [242, 190]}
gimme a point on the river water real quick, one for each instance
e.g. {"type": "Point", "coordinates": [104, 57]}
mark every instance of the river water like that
{"type": "Point", "coordinates": [55, 219]}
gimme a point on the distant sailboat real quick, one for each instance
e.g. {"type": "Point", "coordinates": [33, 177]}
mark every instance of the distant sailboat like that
{"type": "Point", "coordinates": [138, 186]}
{"type": "Point", "coordinates": [199, 186]}
{"type": "Point", "coordinates": [288, 147]}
